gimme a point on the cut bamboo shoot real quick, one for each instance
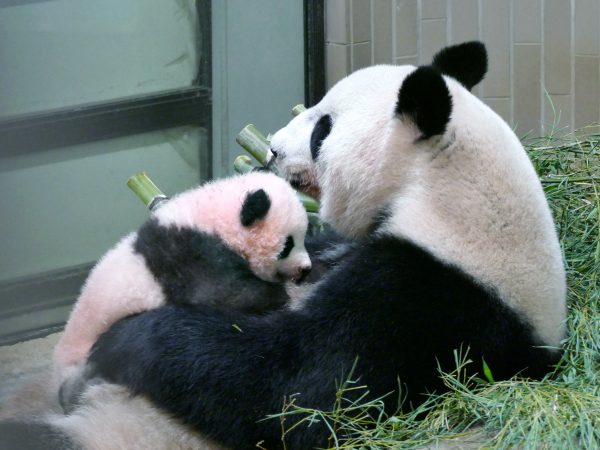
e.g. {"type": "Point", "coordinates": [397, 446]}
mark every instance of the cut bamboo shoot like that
{"type": "Point", "coordinates": [146, 190]}
{"type": "Point", "coordinates": [254, 142]}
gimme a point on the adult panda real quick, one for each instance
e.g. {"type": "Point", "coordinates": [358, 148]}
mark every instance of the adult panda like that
{"type": "Point", "coordinates": [455, 249]}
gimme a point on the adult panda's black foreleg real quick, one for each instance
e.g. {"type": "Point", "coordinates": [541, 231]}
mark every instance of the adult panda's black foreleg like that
{"type": "Point", "coordinates": [222, 373]}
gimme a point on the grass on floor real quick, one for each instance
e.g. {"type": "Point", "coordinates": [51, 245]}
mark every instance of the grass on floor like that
{"type": "Point", "coordinates": [563, 410]}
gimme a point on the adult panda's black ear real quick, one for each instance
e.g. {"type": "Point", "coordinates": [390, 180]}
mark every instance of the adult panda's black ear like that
{"type": "Point", "coordinates": [255, 207]}
{"type": "Point", "coordinates": [424, 98]}
{"type": "Point", "coordinates": [466, 62]}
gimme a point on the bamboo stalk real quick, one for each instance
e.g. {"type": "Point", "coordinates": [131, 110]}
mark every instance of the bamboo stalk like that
{"type": "Point", "coordinates": [146, 190]}
{"type": "Point", "coordinates": [243, 164]}
{"type": "Point", "coordinates": [298, 109]}
{"type": "Point", "coordinates": [314, 219]}
{"type": "Point", "coordinates": [310, 204]}
{"type": "Point", "coordinates": [254, 142]}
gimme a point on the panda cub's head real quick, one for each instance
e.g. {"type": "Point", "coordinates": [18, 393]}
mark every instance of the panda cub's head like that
{"type": "Point", "coordinates": [258, 215]}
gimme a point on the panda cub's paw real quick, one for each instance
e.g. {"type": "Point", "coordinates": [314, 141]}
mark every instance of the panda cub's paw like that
{"type": "Point", "coordinates": [72, 389]}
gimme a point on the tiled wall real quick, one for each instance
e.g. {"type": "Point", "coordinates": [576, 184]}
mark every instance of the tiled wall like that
{"type": "Point", "coordinates": [544, 55]}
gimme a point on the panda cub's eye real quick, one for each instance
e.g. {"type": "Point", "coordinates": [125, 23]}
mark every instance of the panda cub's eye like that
{"type": "Point", "coordinates": [287, 248]}
{"type": "Point", "coordinates": [319, 133]}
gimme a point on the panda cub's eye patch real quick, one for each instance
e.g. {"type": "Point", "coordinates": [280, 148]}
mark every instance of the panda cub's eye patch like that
{"type": "Point", "coordinates": [319, 133]}
{"type": "Point", "coordinates": [287, 248]}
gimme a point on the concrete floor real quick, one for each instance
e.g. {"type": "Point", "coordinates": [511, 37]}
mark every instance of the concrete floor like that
{"type": "Point", "coordinates": [24, 374]}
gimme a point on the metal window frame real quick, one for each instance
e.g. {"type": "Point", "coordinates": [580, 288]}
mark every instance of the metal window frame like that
{"type": "Point", "coordinates": [192, 105]}
{"type": "Point", "coordinates": [27, 315]}
{"type": "Point", "coordinates": [36, 305]}
{"type": "Point", "coordinates": [314, 51]}
{"type": "Point", "coordinates": [36, 132]}
{"type": "Point", "coordinates": [33, 133]}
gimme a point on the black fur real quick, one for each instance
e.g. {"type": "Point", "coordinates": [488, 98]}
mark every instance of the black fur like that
{"type": "Point", "coordinates": [466, 62]}
{"type": "Point", "coordinates": [174, 255]}
{"type": "Point", "coordinates": [255, 207]}
{"type": "Point", "coordinates": [287, 248]}
{"type": "Point", "coordinates": [327, 250]}
{"type": "Point", "coordinates": [380, 219]}
{"type": "Point", "coordinates": [424, 99]}
{"type": "Point", "coordinates": [320, 132]}
{"type": "Point", "coordinates": [198, 268]}
{"type": "Point", "coordinates": [222, 371]}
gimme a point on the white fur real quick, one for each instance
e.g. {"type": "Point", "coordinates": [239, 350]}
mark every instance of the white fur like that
{"type": "Point", "coordinates": [119, 285]}
{"type": "Point", "coordinates": [113, 419]}
{"type": "Point", "coordinates": [470, 196]}
{"type": "Point", "coordinates": [215, 208]}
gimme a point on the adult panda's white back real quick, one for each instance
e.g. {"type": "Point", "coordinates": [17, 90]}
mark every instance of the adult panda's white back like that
{"type": "Point", "coordinates": [479, 204]}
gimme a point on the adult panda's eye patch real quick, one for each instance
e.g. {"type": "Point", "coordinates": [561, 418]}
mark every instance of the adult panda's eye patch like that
{"type": "Point", "coordinates": [319, 133]}
{"type": "Point", "coordinates": [287, 248]}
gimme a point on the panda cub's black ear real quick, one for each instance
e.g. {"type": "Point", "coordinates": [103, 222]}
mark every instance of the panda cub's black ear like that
{"type": "Point", "coordinates": [255, 207]}
{"type": "Point", "coordinates": [424, 98]}
{"type": "Point", "coordinates": [466, 62]}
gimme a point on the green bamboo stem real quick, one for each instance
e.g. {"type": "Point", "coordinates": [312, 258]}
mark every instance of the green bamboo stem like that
{"type": "Point", "coordinates": [314, 219]}
{"type": "Point", "coordinates": [254, 142]}
{"type": "Point", "coordinates": [310, 204]}
{"type": "Point", "coordinates": [243, 164]}
{"type": "Point", "coordinates": [146, 190]}
{"type": "Point", "coordinates": [298, 109]}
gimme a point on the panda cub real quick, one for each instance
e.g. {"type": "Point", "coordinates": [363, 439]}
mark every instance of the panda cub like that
{"type": "Point", "coordinates": [228, 244]}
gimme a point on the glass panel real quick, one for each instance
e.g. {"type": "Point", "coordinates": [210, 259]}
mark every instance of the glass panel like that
{"type": "Point", "coordinates": [68, 52]}
{"type": "Point", "coordinates": [258, 69]}
{"type": "Point", "coordinates": [67, 207]}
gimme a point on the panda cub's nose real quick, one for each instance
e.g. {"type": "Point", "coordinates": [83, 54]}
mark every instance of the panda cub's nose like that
{"type": "Point", "coordinates": [302, 274]}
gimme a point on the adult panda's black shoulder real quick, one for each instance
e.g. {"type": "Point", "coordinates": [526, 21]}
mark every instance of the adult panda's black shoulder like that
{"type": "Point", "coordinates": [456, 249]}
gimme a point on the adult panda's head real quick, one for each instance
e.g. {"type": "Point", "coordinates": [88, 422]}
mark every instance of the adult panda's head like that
{"type": "Point", "coordinates": [409, 151]}
{"type": "Point", "coordinates": [258, 215]}
{"type": "Point", "coordinates": [373, 131]}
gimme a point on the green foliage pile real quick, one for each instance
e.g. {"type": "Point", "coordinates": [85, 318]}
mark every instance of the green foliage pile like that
{"type": "Point", "coordinates": [560, 412]}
